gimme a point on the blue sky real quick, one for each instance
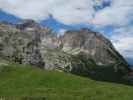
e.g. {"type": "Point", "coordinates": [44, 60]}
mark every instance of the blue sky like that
{"type": "Point", "coordinates": [113, 18]}
{"type": "Point", "coordinates": [8, 17]}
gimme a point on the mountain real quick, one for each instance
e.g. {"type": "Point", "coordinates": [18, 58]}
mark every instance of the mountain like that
{"type": "Point", "coordinates": [80, 52]}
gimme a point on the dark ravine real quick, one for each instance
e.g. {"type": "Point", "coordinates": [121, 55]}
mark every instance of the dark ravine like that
{"type": "Point", "coordinates": [76, 51]}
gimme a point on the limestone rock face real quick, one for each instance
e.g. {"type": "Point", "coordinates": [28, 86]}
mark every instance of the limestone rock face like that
{"type": "Point", "coordinates": [76, 51]}
{"type": "Point", "coordinates": [93, 44]}
{"type": "Point", "coordinates": [21, 46]}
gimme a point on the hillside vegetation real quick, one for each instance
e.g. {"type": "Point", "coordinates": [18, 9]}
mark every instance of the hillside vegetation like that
{"type": "Point", "coordinates": [19, 82]}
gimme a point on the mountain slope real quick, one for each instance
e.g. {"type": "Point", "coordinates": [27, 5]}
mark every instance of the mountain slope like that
{"type": "Point", "coordinates": [81, 52]}
{"type": "Point", "coordinates": [30, 83]}
{"type": "Point", "coordinates": [94, 44]}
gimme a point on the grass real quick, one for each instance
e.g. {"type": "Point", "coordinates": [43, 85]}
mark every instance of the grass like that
{"type": "Point", "coordinates": [18, 82]}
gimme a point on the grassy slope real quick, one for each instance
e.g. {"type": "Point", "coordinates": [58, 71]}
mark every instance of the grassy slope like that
{"type": "Point", "coordinates": [21, 81]}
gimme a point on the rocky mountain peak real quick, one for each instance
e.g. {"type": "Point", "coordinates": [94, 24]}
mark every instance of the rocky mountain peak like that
{"type": "Point", "coordinates": [77, 51]}
{"type": "Point", "coordinates": [94, 44]}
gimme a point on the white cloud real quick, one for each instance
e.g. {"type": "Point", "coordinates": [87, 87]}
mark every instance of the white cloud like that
{"type": "Point", "coordinates": [29, 9]}
{"type": "Point", "coordinates": [119, 13]}
{"type": "Point", "coordinates": [123, 41]}
{"type": "Point", "coordinates": [72, 11]}
{"type": "Point", "coordinates": [124, 45]}
{"type": "Point", "coordinates": [66, 11]}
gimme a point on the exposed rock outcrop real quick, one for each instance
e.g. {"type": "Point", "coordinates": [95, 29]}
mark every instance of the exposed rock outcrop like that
{"type": "Point", "coordinates": [94, 45]}
{"type": "Point", "coordinates": [76, 51]}
{"type": "Point", "coordinates": [21, 45]}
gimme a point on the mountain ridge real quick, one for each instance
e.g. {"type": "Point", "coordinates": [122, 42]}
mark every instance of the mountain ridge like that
{"type": "Point", "coordinates": [77, 51]}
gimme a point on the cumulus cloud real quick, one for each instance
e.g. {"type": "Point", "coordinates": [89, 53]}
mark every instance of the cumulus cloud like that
{"type": "Point", "coordinates": [123, 40]}
{"type": "Point", "coordinates": [118, 14]}
{"type": "Point", "coordinates": [124, 45]}
{"type": "Point", "coordinates": [66, 11]}
{"type": "Point", "coordinates": [29, 9]}
{"type": "Point", "coordinates": [72, 11]}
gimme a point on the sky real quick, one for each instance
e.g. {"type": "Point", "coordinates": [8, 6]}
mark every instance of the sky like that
{"type": "Point", "coordinates": [113, 18]}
